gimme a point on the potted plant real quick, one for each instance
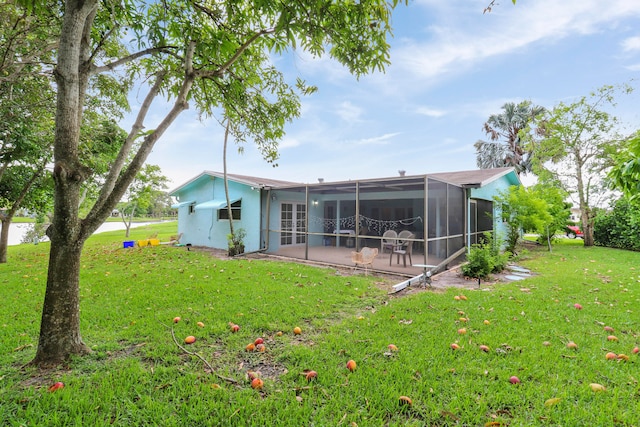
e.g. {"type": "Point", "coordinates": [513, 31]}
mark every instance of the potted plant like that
{"type": "Point", "coordinates": [236, 242]}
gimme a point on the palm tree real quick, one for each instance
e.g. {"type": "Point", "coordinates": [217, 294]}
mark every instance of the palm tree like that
{"type": "Point", "coordinates": [504, 130]}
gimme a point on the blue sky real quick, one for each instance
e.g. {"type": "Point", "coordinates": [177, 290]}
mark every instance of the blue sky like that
{"type": "Point", "coordinates": [451, 67]}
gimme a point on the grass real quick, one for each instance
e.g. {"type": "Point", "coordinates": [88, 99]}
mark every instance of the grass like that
{"type": "Point", "coordinates": [137, 375]}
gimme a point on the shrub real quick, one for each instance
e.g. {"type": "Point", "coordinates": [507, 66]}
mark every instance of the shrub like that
{"type": "Point", "coordinates": [485, 258]}
{"type": "Point", "coordinates": [619, 227]}
{"type": "Point", "coordinates": [236, 242]}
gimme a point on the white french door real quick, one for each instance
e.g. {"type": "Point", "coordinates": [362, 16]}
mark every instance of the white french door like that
{"type": "Point", "coordinates": [293, 228]}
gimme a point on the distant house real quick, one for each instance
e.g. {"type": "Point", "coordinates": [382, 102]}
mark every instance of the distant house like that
{"type": "Point", "coordinates": [445, 213]}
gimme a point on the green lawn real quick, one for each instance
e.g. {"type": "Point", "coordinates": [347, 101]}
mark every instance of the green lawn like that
{"type": "Point", "coordinates": [137, 375]}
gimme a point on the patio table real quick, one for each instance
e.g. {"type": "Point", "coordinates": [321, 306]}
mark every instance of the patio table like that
{"type": "Point", "coordinates": [426, 275]}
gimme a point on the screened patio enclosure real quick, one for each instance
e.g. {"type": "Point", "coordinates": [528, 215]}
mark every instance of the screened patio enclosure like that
{"type": "Point", "coordinates": [325, 222]}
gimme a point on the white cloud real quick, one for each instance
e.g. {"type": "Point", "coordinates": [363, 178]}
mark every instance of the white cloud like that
{"type": "Point", "coordinates": [377, 140]}
{"type": "Point", "coordinates": [349, 112]}
{"type": "Point", "coordinates": [288, 142]}
{"type": "Point", "coordinates": [631, 44]}
{"type": "Point", "coordinates": [430, 112]}
{"type": "Point", "coordinates": [634, 67]}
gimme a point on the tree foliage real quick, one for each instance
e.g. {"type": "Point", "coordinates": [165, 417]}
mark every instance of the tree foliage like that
{"type": "Point", "coordinates": [557, 207]}
{"type": "Point", "coordinates": [578, 148]}
{"type": "Point", "coordinates": [625, 174]}
{"type": "Point", "coordinates": [27, 39]}
{"type": "Point", "coordinates": [523, 210]}
{"type": "Point", "coordinates": [618, 227]}
{"type": "Point", "coordinates": [506, 147]}
{"type": "Point", "coordinates": [211, 55]}
{"type": "Point", "coordinates": [26, 134]}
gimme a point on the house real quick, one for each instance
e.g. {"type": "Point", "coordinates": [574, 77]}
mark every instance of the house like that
{"type": "Point", "coordinates": [444, 212]}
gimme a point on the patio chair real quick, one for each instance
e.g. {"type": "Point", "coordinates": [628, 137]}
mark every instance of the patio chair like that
{"type": "Point", "coordinates": [404, 247]}
{"type": "Point", "coordinates": [389, 240]}
{"type": "Point", "coordinates": [364, 258]}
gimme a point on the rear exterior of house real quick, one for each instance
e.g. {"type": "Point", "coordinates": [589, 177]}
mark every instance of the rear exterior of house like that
{"type": "Point", "coordinates": [444, 212]}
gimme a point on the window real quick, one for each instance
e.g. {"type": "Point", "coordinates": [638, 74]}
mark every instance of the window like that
{"type": "Point", "coordinates": [236, 211]}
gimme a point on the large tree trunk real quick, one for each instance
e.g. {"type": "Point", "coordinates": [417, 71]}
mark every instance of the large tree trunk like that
{"type": "Point", "coordinates": [587, 226]}
{"type": "Point", "coordinates": [4, 238]}
{"type": "Point", "coordinates": [60, 323]}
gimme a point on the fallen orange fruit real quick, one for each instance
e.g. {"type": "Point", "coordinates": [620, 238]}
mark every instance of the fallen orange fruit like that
{"type": "Point", "coordinates": [311, 375]}
{"type": "Point", "coordinates": [56, 386]}
{"type": "Point", "coordinates": [405, 400]}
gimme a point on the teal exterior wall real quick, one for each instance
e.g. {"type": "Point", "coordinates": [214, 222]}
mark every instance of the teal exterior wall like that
{"type": "Point", "coordinates": [489, 191]}
{"type": "Point", "coordinates": [202, 227]}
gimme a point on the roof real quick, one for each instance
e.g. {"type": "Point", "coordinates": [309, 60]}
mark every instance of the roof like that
{"type": "Point", "coordinates": [469, 179]}
{"type": "Point", "coordinates": [253, 181]}
{"type": "Point", "coordinates": [473, 178]}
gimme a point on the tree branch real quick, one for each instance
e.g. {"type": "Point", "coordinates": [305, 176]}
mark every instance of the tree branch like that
{"type": "Point", "coordinates": [38, 172]}
{"type": "Point", "coordinates": [112, 65]}
{"type": "Point", "coordinates": [118, 187]}
{"type": "Point", "coordinates": [223, 69]}
{"type": "Point", "coordinates": [123, 154]}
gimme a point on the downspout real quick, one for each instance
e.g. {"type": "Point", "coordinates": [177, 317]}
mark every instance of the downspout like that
{"type": "Point", "coordinates": [357, 215]}
{"type": "Point", "coordinates": [306, 222]}
{"type": "Point", "coordinates": [425, 224]}
{"type": "Point", "coordinates": [268, 225]}
{"type": "Point", "coordinates": [213, 211]}
{"type": "Point", "coordinates": [468, 218]}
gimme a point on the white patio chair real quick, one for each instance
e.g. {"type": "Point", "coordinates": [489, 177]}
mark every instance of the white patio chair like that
{"type": "Point", "coordinates": [389, 240]}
